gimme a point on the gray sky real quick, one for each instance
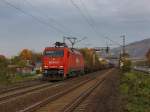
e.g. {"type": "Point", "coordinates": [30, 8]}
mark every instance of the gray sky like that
{"type": "Point", "coordinates": [112, 18]}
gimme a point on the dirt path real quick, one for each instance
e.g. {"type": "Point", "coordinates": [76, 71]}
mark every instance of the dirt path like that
{"type": "Point", "coordinates": [106, 97]}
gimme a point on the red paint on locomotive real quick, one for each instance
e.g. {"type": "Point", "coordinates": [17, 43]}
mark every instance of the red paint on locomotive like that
{"type": "Point", "coordinates": [61, 62]}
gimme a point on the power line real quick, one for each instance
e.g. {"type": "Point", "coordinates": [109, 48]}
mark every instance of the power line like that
{"type": "Point", "coordinates": [87, 12]}
{"type": "Point", "coordinates": [46, 16]}
{"type": "Point", "coordinates": [34, 17]}
{"type": "Point", "coordinates": [81, 12]}
{"type": "Point", "coordinates": [90, 20]}
{"type": "Point", "coordinates": [84, 16]}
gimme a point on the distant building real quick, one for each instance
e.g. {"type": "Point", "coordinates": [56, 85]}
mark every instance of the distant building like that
{"type": "Point", "coordinates": [38, 66]}
{"type": "Point", "coordinates": [24, 70]}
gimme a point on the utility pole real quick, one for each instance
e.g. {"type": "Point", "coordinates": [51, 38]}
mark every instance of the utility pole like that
{"type": "Point", "coordinates": [124, 44]}
{"type": "Point", "coordinates": [122, 55]}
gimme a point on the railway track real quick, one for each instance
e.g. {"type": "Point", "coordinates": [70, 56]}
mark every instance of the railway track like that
{"type": "Point", "coordinates": [31, 98]}
{"type": "Point", "coordinates": [69, 99]}
{"type": "Point", "coordinates": [20, 100]}
{"type": "Point", "coordinates": [51, 98]}
{"type": "Point", "coordinates": [80, 103]}
{"type": "Point", "coordinates": [21, 91]}
{"type": "Point", "coordinates": [21, 85]}
{"type": "Point", "coordinates": [15, 92]}
{"type": "Point", "coordinates": [76, 103]}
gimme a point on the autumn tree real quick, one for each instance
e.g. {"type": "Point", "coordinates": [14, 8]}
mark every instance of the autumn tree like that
{"type": "Point", "coordinates": [3, 62]}
{"type": "Point", "coordinates": [26, 54]}
{"type": "Point", "coordinates": [126, 65]}
{"type": "Point", "coordinates": [125, 62]}
{"type": "Point", "coordinates": [148, 56]}
{"type": "Point", "coordinates": [2, 57]}
{"type": "Point", "coordinates": [4, 76]}
{"type": "Point", "coordinates": [91, 59]}
{"type": "Point", "coordinates": [125, 55]}
{"type": "Point", "coordinates": [15, 60]}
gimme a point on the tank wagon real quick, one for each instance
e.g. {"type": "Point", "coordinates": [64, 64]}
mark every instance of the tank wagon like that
{"type": "Point", "coordinates": [60, 62]}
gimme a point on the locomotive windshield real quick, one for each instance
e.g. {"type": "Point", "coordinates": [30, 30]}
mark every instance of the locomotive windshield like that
{"type": "Point", "coordinates": [56, 53]}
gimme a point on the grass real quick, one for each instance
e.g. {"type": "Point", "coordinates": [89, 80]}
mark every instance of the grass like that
{"type": "Point", "coordinates": [16, 78]}
{"type": "Point", "coordinates": [22, 77]}
{"type": "Point", "coordinates": [135, 90]}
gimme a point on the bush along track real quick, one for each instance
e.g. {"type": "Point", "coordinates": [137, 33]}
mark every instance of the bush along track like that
{"type": "Point", "coordinates": [135, 92]}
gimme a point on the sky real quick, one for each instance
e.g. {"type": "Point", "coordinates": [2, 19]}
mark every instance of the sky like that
{"type": "Point", "coordinates": [35, 24]}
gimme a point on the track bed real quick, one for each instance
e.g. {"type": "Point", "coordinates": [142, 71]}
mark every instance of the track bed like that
{"type": "Point", "coordinates": [72, 95]}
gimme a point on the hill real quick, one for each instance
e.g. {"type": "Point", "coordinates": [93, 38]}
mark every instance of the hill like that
{"type": "Point", "coordinates": [136, 49]}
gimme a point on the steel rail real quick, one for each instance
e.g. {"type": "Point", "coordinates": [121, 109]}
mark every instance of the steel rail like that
{"type": "Point", "coordinates": [54, 97]}
{"type": "Point", "coordinates": [6, 96]}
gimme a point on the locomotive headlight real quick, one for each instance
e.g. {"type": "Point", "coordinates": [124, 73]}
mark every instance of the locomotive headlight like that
{"type": "Point", "coordinates": [61, 66]}
{"type": "Point", "coordinates": [45, 66]}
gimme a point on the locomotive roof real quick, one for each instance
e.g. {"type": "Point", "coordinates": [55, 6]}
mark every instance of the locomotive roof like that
{"type": "Point", "coordinates": [73, 50]}
{"type": "Point", "coordinates": [55, 48]}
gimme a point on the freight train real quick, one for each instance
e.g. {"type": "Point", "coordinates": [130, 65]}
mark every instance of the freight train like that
{"type": "Point", "coordinates": [60, 62]}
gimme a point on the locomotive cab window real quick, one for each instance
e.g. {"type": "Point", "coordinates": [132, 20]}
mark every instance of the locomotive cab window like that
{"type": "Point", "coordinates": [56, 53]}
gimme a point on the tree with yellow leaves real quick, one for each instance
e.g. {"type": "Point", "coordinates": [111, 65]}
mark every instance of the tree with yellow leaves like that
{"type": "Point", "coordinates": [148, 56]}
{"type": "Point", "coordinates": [26, 54]}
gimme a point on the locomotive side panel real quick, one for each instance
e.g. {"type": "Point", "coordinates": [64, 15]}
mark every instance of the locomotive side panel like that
{"type": "Point", "coordinates": [75, 63]}
{"type": "Point", "coordinates": [59, 63]}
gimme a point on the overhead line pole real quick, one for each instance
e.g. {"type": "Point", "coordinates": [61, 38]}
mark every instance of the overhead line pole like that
{"type": "Point", "coordinates": [124, 44]}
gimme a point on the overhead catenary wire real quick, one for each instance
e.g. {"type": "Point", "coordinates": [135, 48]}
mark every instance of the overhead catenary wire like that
{"type": "Point", "coordinates": [81, 12]}
{"type": "Point", "coordinates": [90, 20]}
{"type": "Point", "coordinates": [87, 12]}
{"type": "Point", "coordinates": [44, 22]}
{"type": "Point", "coordinates": [46, 16]}
{"type": "Point", "coordinates": [84, 17]}
{"type": "Point", "coordinates": [33, 17]}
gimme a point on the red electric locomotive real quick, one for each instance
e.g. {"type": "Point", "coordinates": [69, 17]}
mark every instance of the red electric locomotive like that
{"type": "Point", "coordinates": [60, 62]}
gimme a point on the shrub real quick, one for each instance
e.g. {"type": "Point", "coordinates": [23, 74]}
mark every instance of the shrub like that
{"type": "Point", "coordinates": [135, 89]}
{"type": "Point", "coordinates": [126, 67]}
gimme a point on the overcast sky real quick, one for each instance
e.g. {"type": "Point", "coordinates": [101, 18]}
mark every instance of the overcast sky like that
{"type": "Point", "coordinates": [47, 21]}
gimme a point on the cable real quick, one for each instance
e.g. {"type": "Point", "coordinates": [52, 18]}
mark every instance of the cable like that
{"type": "Point", "coordinates": [81, 12]}
{"type": "Point", "coordinates": [34, 17]}
{"type": "Point", "coordinates": [84, 16]}
{"type": "Point", "coordinates": [46, 16]}
{"type": "Point", "coordinates": [90, 20]}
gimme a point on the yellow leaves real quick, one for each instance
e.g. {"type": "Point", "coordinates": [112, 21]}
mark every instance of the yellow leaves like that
{"type": "Point", "coordinates": [26, 54]}
{"type": "Point", "coordinates": [148, 55]}
{"type": "Point", "coordinates": [90, 57]}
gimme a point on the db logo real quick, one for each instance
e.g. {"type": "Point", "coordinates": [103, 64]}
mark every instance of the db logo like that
{"type": "Point", "coordinates": [77, 61]}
